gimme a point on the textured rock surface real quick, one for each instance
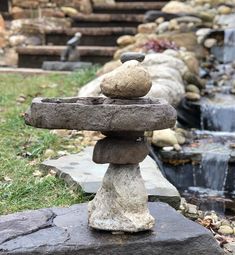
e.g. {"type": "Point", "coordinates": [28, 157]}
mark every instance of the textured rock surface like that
{"type": "Point", "coordinates": [80, 170]}
{"type": "Point", "coordinates": [101, 114]}
{"type": "Point", "coordinates": [68, 234]}
{"type": "Point", "coordinates": [120, 151]}
{"type": "Point", "coordinates": [121, 202]}
{"type": "Point", "coordinates": [130, 80]}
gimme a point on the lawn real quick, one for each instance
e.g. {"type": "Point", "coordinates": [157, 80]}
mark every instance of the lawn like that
{"type": "Point", "coordinates": [23, 148]}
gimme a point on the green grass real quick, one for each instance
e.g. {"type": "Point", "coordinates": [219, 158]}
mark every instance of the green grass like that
{"type": "Point", "coordinates": [22, 148]}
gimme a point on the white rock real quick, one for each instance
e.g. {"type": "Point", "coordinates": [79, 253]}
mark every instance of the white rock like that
{"type": "Point", "coordinates": [121, 203]}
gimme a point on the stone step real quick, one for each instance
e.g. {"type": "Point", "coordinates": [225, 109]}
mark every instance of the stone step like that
{"type": "Point", "coordinates": [107, 20]}
{"type": "Point", "coordinates": [129, 7]}
{"type": "Point", "coordinates": [34, 56]}
{"type": "Point", "coordinates": [103, 36]}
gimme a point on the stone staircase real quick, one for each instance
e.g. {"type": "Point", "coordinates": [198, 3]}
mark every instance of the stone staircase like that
{"type": "Point", "coordinates": [100, 31]}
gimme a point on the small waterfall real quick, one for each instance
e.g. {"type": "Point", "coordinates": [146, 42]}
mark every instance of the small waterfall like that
{"type": "Point", "coordinates": [218, 117]}
{"type": "Point", "coordinates": [214, 166]}
{"type": "Point", "coordinates": [229, 45]}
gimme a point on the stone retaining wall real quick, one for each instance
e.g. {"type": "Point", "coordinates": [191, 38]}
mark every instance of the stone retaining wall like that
{"type": "Point", "coordinates": [52, 8]}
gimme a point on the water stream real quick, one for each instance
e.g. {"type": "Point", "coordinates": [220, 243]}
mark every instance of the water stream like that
{"type": "Point", "coordinates": [229, 45]}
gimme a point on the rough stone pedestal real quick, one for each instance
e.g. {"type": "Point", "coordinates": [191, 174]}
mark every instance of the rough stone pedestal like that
{"type": "Point", "coordinates": [64, 231]}
{"type": "Point", "coordinates": [121, 203]}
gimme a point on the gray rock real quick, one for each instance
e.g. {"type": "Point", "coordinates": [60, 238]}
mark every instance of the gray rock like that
{"type": "Point", "coordinates": [132, 56]}
{"type": "Point", "coordinates": [80, 170]}
{"type": "Point", "coordinates": [120, 151]}
{"type": "Point", "coordinates": [151, 16]}
{"type": "Point", "coordinates": [121, 202]}
{"type": "Point", "coordinates": [65, 66]}
{"type": "Point", "coordinates": [69, 235]}
{"type": "Point", "coordinates": [101, 114]}
{"type": "Point", "coordinates": [14, 225]}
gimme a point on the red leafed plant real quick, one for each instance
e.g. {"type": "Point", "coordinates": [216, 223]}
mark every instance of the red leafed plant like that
{"type": "Point", "coordinates": [159, 45]}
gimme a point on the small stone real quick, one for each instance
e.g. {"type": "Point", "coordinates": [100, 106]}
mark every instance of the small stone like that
{"type": "Point", "coordinates": [120, 151]}
{"type": "Point", "coordinates": [164, 138]}
{"type": "Point", "coordinates": [193, 88]}
{"type": "Point", "coordinates": [130, 80]}
{"type": "Point", "coordinates": [210, 42]}
{"type": "Point", "coordinates": [126, 40]}
{"type": "Point", "coordinates": [177, 147]}
{"type": "Point", "coordinates": [191, 78]}
{"type": "Point", "coordinates": [192, 96]}
{"type": "Point", "coordinates": [147, 28]}
{"type": "Point", "coordinates": [225, 230]}
{"type": "Point", "coordinates": [69, 11]}
{"type": "Point", "coordinates": [159, 20]}
{"type": "Point", "coordinates": [49, 153]}
{"type": "Point", "coordinates": [223, 9]}
{"type": "Point", "coordinates": [163, 27]}
{"type": "Point", "coordinates": [168, 148]}
{"type": "Point", "coordinates": [132, 56]}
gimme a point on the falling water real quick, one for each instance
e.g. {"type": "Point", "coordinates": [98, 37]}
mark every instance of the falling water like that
{"type": "Point", "coordinates": [229, 45]}
{"type": "Point", "coordinates": [218, 117]}
{"type": "Point", "coordinates": [215, 168]}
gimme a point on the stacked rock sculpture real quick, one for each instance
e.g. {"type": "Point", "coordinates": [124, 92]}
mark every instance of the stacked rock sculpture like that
{"type": "Point", "coordinates": [121, 202]}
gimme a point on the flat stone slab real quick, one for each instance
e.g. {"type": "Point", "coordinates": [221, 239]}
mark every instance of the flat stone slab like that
{"type": "Point", "coordinates": [101, 114]}
{"type": "Point", "coordinates": [65, 66]}
{"type": "Point", "coordinates": [67, 233]}
{"type": "Point", "coordinates": [79, 169]}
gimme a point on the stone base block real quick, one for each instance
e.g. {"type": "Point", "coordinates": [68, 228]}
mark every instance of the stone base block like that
{"type": "Point", "coordinates": [121, 202]}
{"type": "Point", "coordinates": [65, 231]}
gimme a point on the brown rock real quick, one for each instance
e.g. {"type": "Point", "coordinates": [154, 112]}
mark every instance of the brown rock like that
{"type": "Point", "coordinates": [223, 9]}
{"type": "Point", "coordinates": [2, 24]}
{"type": "Point", "coordinates": [85, 6]}
{"type": "Point", "coordinates": [120, 151]}
{"type": "Point", "coordinates": [125, 40]}
{"type": "Point", "coordinates": [147, 28]}
{"type": "Point", "coordinates": [29, 4]}
{"type": "Point", "coordinates": [18, 13]}
{"type": "Point", "coordinates": [191, 78]}
{"type": "Point", "coordinates": [193, 88]}
{"type": "Point", "coordinates": [130, 80]}
{"type": "Point", "coordinates": [177, 7]}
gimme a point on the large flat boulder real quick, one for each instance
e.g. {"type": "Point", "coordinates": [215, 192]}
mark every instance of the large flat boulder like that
{"type": "Point", "coordinates": [79, 169]}
{"type": "Point", "coordinates": [67, 233]}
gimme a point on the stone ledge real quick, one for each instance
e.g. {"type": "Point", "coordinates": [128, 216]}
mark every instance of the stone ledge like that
{"type": "Point", "coordinates": [67, 232]}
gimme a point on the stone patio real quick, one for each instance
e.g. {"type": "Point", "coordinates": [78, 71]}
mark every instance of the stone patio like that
{"type": "Point", "coordinates": [65, 231]}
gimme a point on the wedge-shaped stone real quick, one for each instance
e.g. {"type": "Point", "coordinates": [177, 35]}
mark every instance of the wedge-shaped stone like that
{"type": "Point", "coordinates": [101, 114]}
{"type": "Point", "coordinates": [120, 151]}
